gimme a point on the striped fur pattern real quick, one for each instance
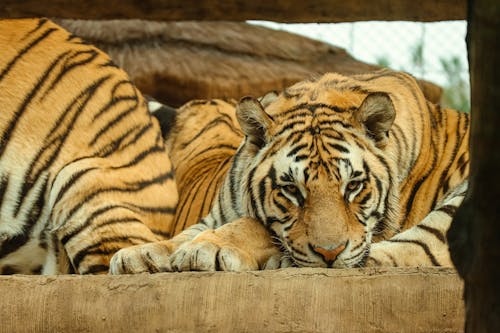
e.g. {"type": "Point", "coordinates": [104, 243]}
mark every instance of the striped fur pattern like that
{"type": "Point", "coordinates": [199, 180]}
{"type": "Point", "coordinates": [83, 167]}
{"type": "Point", "coordinates": [334, 172]}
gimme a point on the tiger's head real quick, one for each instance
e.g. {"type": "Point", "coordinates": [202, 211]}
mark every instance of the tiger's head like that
{"type": "Point", "coordinates": [315, 170]}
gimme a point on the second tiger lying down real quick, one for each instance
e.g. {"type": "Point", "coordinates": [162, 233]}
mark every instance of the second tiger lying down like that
{"type": "Point", "coordinates": [337, 172]}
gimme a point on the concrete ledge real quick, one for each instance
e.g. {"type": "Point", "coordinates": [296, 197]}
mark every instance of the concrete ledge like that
{"type": "Point", "coordinates": [289, 300]}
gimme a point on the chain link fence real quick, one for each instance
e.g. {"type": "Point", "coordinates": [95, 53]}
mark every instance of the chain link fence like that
{"type": "Point", "coordinates": [432, 51]}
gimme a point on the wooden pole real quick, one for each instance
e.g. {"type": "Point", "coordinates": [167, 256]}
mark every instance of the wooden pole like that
{"type": "Point", "coordinates": [475, 237]}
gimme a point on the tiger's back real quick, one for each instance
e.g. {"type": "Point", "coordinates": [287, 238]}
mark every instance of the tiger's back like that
{"type": "Point", "coordinates": [202, 144]}
{"type": "Point", "coordinates": [83, 169]}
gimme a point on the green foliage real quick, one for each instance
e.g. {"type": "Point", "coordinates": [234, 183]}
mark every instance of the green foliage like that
{"type": "Point", "coordinates": [383, 61]}
{"type": "Point", "coordinates": [456, 93]}
{"type": "Point", "coordinates": [417, 58]}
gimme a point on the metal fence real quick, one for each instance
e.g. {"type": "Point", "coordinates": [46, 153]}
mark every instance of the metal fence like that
{"type": "Point", "coordinates": [431, 51]}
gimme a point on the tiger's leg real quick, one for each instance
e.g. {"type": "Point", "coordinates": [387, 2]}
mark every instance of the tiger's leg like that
{"type": "Point", "coordinates": [241, 245]}
{"type": "Point", "coordinates": [424, 244]}
{"type": "Point", "coordinates": [152, 257]}
{"type": "Point", "coordinates": [96, 211]}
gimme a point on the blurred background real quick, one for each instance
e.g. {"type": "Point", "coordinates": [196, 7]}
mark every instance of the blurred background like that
{"type": "Point", "coordinates": [179, 61]}
{"type": "Point", "coordinates": [431, 51]}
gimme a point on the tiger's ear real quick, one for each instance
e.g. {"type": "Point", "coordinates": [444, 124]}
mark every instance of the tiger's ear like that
{"type": "Point", "coordinates": [254, 121]}
{"type": "Point", "coordinates": [376, 114]}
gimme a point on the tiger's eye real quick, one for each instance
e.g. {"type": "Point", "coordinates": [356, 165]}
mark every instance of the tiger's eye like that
{"type": "Point", "coordinates": [353, 186]}
{"type": "Point", "coordinates": [292, 189]}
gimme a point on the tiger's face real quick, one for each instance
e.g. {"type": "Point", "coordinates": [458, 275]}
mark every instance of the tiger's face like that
{"type": "Point", "coordinates": [316, 172]}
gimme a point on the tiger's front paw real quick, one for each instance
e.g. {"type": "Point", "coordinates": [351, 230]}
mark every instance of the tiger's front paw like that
{"type": "Point", "coordinates": [144, 258]}
{"type": "Point", "coordinates": [207, 253]}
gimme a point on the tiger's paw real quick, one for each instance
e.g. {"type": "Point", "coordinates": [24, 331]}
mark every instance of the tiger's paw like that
{"type": "Point", "coordinates": [376, 257]}
{"type": "Point", "coordinates": [144, 258]}
{"type": "Point", "coordinates": [209, 253]}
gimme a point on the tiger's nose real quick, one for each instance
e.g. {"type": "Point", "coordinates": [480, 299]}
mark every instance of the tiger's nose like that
{"type": "Point", "coordinates": [329, 253]}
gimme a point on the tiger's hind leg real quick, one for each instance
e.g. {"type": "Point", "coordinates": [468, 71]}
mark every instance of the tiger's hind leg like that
{"type": "Point", "coordinates": [98, 210]}
{"type": "Point", "coordinates": [424, 244]}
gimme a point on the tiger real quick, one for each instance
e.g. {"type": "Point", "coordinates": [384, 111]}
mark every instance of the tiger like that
{"type": "Point", "coordinates": [84, 170]}
{"type": "Point", "coordinates": [333, 172]}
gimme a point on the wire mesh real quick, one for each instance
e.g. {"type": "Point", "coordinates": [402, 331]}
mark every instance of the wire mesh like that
{"type": "Point", "coordinates": [432, 51]}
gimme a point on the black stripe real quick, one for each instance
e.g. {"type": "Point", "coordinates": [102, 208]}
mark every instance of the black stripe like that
{"type": "Point", "coordinates": [113, 146]}
{"type": "Point", "coordinates": [212, 183]}
{"type": "Point", "coordinates": [214, 123]}
{"type": "Point", "coordinates": [25, 50]}
{"type": "Point", "coordinates": [232, 181]}
{"type": "Point", "coordinates": [338, 147]}
{"type": "Point", "coordinates": [445, 172]}
{"type": "Point", "coordinates": [328, 124]}
{"type": "Point", "coordinates": [279, 206]}
{"type": "Point", "coordinates": [40, 24]}
{"type": "Point", "coordinates": [162, 233]}
{"type": "Point", "coordinates": [301, 157]}
{"type": "Point", "coordinates": [95, 269]}
{"type": "Point", "coordinates": [27, 99]}
{"type": "Point", "coordinates": [424, 247]}
{"type": "Point", "coordinates": [14, 243]}
{"type": "Point", "coordinates": [44, 164]}
{"type": "Point", "coordinates": [192, 188]}
{"type": "Point", "coordinates": [297, 149]}
{"type": "Point", "coordinates": [448, 209]}
{"type": "Point", "coordinates": [66, 238]}
{"type": "Point", "coordinates": [132, 187]}
{"type": "Point", "coordinates": [313, 106]}
{"type": "Point", "coordinates": [439, 235]}
{"type": "Point", "coordinates": [119, 220]}
{"type": "Point", "coordinates": [262, 189]}
{"type": "Point", "coordinates": [109, 63]}
{"type": "Point", "coordinates": [290, 126]}
{"type": "Point", "coordinates": [67, 67]}
{"type": "Point", "coordinates": [113, 99]}
{"type": "Point", "coordinates": [152, 209]}
{"type": "Point", "coordinates": [365, 199]}
{"type": "Point", "coordinates": [112, 123]}
{"type": "Point", "coordinates": [253, 199]}
{"type": "Point", "coordinates": [160, 179]}
{"type": "Point", "coordinates": [87, 250]}
{"type": "Point", "coordinates": [4, 185]}
{"type": "Point", "coordinates": [139, 135]}
{"type": "Point", "coordinates": [140, 157]}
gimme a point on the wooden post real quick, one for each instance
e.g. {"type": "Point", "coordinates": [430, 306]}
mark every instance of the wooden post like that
{"type": "Point", "coordinates": [475, 237]}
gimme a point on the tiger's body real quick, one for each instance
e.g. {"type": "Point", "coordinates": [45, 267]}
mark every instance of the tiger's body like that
{"type": "Point", "coordinates": [336, 172]}
{"type": "Point", "coordinates": [83, 168]}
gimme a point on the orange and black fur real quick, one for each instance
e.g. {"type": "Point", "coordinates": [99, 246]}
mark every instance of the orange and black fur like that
{"type": "Point", "coordinates": [334, 172]}
{"type": "Point", "coordinates": [84, 170]}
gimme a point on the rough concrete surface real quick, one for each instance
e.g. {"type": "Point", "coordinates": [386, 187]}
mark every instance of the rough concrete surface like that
{"type": "Point", "coordinates": [289, 300]}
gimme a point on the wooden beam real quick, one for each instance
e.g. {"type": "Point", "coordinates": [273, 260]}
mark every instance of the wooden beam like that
{"type": "Point", "coordinates": [290, 300]}
{"type": "Point", "coordinates": [271, 10]}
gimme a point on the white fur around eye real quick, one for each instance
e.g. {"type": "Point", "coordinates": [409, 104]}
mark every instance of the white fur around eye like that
{"type": "Point", "coordinates": [290, 195]}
